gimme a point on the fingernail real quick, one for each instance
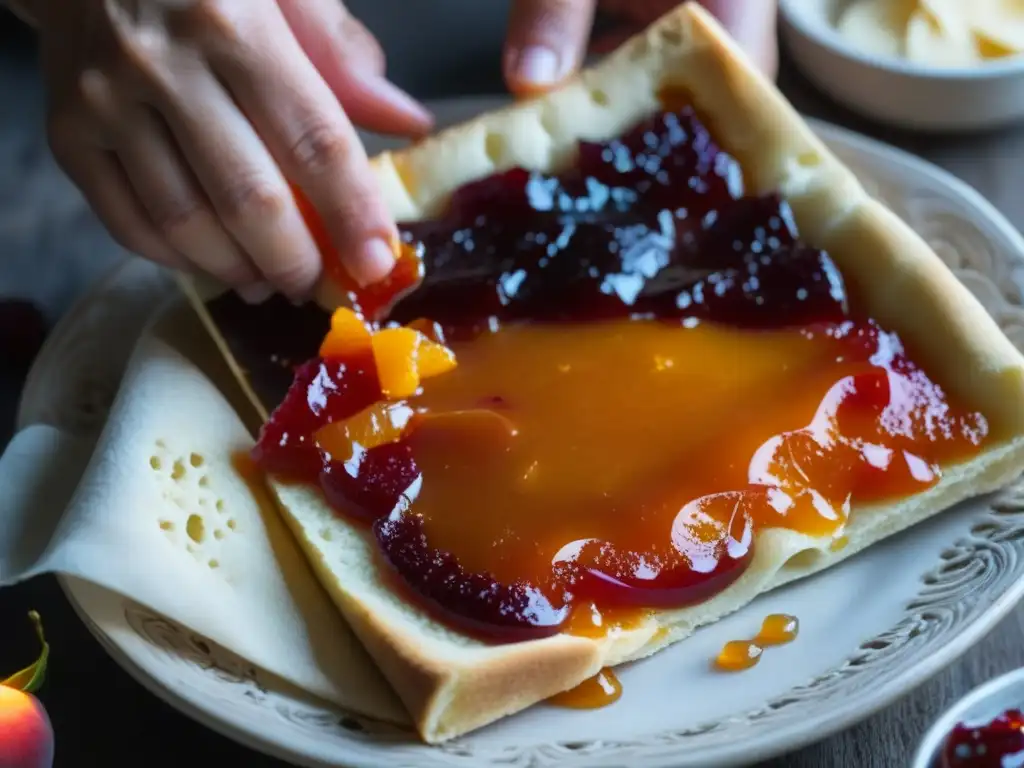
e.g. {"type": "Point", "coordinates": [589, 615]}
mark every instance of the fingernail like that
{"type": "Point", "coordinates": [538, 66]}
{"type": "Point", "coordinates": [256, 293]}
{"type": "Point", "coordinates": [375, 262]}
{"type": "Point", "coordinates": [383, 89]}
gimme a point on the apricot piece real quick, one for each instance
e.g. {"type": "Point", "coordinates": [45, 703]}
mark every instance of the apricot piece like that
{"type": "Point", "coordinates": [380, 424]}
{"type": "Point", "coordinates": [404, 357]}
{"type": "Point", "coordinates": [394, 353]}
{"type": "Point", "coordinates": [349, 335]}
{"type": "Point", "coordinates": [26, 735]}
{"type": "Point", "coordinates": [429, 328]}
{"type": "Point", "coordinates": [433, 359]}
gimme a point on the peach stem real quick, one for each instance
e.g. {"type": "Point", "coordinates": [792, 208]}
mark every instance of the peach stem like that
{"type": "Point", "coordinates": [29, 679]}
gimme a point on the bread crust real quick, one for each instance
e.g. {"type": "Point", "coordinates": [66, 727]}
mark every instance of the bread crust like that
{"type": "Point", "coordinates": [452, 684]}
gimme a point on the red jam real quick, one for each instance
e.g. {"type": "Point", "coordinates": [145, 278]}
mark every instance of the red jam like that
{"type": "Point", "coordinates": [996, 744]}
{"type": "Point", "coordinates": [650, 368]}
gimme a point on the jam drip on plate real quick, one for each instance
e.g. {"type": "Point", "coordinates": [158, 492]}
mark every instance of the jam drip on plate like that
{"type": "Point", "coordinates": [996, 744]}
{"type": "Point", "coordinates": [651, 367]}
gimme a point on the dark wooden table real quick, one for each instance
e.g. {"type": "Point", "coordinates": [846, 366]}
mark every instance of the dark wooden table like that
{"type": "Point", "coordinates": [51, 249]}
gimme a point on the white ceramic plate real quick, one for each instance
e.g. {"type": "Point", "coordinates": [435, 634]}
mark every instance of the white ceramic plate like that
{"type": "Point", "coordinates": [871, 628]}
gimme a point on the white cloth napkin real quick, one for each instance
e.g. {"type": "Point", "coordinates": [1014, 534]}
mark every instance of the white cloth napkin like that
{"type": "Point", "coordinates": [158, 513]}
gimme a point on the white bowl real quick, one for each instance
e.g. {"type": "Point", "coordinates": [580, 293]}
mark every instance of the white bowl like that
{"type": "Point", "coordinates": [980, 705]}
{"type": "Point", "coordinates": [895, 91]}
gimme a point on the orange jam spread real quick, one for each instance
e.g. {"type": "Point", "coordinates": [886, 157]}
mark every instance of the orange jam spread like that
{"type": "Point", "coordinates": [737, 655]}
{"type": "Point", "coordinates": [598, 691]}
{"type": "Point", "coordinates": [590, 468]}
{"type": "Point", "coordinates": [594, 388]}
{"type": "Point", "coordinates": [778, 629]}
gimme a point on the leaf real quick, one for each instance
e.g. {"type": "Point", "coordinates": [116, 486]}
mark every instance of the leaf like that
{"type": "Point", "coordinates": [30, 678]}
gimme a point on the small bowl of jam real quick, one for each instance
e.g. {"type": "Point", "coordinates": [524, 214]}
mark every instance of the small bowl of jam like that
{"type": "Point", "coordinates": [985, 729]}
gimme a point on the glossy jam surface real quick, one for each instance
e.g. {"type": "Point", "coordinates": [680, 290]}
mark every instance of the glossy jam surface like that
{"type": "Point", "coordinates": [738, 655]}
{"type": "Point", "coordinates": [595, 692]}
{"type": "Point", "coordinates": [996, 744]}
{"type": "Point", "coordinates": [653, 224]}
{"type": "Point", "coordinates": [778, 629]}
{"type": "Point", "coordinates": [634, 368]}
{"type": "Point", "coordinates": [515, 503]}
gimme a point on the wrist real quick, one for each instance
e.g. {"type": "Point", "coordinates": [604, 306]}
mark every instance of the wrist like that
{"type": "Point", "coordinates": [25, 10]}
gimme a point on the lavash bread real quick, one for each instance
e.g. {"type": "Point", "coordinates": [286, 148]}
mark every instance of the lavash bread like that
{"type": "Point", "coordinates": [452, 684]}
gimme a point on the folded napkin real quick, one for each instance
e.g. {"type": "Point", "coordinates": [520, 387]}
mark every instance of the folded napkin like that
{"type": "Point", "coordinates": [158, 510]}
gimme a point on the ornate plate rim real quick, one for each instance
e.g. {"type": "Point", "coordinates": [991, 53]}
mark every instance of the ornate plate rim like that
{"type": "Point", "coordinates": [763, 746]}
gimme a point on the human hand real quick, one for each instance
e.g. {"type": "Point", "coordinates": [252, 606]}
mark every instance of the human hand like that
{"type": "Point", "coordinates": [184, 122]}
{"type": "Point", "coordinates": [547, 39]}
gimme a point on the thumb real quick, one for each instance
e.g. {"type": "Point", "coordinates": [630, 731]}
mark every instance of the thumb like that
{"type": "Point", "coordinates": [752, 25]}
{"type": "Point", "coordinates": [546, 41]}
{"type": "Point", "coordinates": [351, 62]}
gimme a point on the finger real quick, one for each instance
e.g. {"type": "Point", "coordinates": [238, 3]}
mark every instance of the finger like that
{"type": "Point", "coordinates": [81, 148]}
{"type": "Point", "coordinates": [105, 187]}
{"type": "Point", "coordinates": [546, 42]}
{"type": "Point", "coordinates": [241, 180]}
{"type": "Point", "coordinates": [351, 62]}
{"type": "Point", "coordinates": [315, 144]}
{"type": "Point", "coordinates": [319, 26]}
{"type": "Point", "coordinates": [177, 206]}
{"type": "Point", "coordinates": [752, 24]}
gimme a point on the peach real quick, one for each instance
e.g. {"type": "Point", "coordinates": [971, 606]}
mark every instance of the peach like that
{"type": "Point", "coordinates": [26, 736]}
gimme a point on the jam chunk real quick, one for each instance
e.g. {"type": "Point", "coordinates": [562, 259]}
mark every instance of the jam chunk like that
{"type": "Point", "coordinates": [324, 391]}
{"type": "Point", "coordinates": [334, 425]}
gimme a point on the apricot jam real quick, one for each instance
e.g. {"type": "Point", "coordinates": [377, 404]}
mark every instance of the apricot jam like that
{"type": "Point", "coordinates": [738, 655]}
{"type": "Point", "coordinates": [634, 369]}
{"type": "Point", "coordinates": [998, 743]}
{"type": "Point", "coordinates": [778, 629]}
{"type": "Point", "coordinates": [598, 691]}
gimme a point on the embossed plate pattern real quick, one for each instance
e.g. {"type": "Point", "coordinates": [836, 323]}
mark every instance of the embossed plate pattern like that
{"type": "Point", "coordinates": [866, 638]}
